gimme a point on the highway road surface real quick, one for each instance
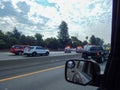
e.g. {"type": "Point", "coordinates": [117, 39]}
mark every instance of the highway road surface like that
{"type": "Point", "coordinates": [11, 56]}
{"type": "Point", "coordinates": [44, 77]}
{"type": "Point", "coordinates": [47, 75]}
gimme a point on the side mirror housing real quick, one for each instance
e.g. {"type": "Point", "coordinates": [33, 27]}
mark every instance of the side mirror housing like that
{"type": "Point", "coordinates": [82, 72]}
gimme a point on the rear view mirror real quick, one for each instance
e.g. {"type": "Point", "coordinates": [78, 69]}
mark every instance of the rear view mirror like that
{"type": "Point", "coordinates": [81, 71]}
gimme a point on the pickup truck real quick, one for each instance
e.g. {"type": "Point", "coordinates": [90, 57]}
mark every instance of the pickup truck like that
{"type": "Point", "coordinates": [95, 52]}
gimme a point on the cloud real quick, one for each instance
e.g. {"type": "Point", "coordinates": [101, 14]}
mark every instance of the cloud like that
{"type": "Point", "coordinates": [1, 6]}
{"type": "Point", "coordinates": [84, 18]}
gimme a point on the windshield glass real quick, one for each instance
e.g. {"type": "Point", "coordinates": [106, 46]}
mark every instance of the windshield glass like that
{"type": "Point", "coordinates": [63, 28]}
{"type": "Point", "coordinates": [31, 47]}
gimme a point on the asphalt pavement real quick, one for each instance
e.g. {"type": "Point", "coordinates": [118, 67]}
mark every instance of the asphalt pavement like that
{"type": "Point", "coordinates": [46, 77]}
{"type": "Point", "coordinates": [10, 56]}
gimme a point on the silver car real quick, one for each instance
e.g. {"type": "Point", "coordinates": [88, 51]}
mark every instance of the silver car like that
{"type": "Point", "coordinates": [36, 50]}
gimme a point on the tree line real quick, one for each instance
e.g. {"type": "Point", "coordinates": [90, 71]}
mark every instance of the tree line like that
{"type": "Point", "coordinates": [55, 43]}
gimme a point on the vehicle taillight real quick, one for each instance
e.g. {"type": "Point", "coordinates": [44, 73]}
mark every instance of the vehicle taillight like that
{"type": "Point", "coordinates": [15, 49]}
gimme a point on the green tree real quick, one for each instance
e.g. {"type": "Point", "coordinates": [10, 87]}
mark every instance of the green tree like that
{"type": "Point", "coordinates": [52, 43]}
{"type": "Point", "coordinates": [63, 35]}
{"type": "Point", "coordinates": [76, 42]}
{"type": "Point", "coordinates": [39, 39]}
{"type": "Point", "coordinates": [1, 34]}
{"type": "Point", "coordinates": [86, 38]}
{"type": "Point", "coordinates": [99, 41]}
{"type": "Point", "coordinates": [4, 40]}
{"type": "Point", "coordinates": [12, 41]}
{"type": "Point", "coordinates": [9, 34]}
{"type": "Point", "coordinates": [92, 40]}
{"type": "Point", "coordinates": [96, 41]}
{"type": "Point", "coordinates": [23, 40]}
{"type": "Point", "coordinates": [2, 44]}
{"type": "Point", "coordinates": [84, 43]}
{"type": "Point", "coordinates": [16, 34]}
{"type": "Point", "coordinates": [30, 40]}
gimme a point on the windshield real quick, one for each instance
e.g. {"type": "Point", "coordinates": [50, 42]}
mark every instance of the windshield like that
{"type": "Point", "coordinates": [31, 47]}
{"type": "Point", "coordinates": [63, 27]}
{"type": "Point", "coordinates": [17, 47]}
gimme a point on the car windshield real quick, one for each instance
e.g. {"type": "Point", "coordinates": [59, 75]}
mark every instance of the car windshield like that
{"type": "Point", "coordinates": [16, 47]}
{"type": "Point", "coordinates": [63, 28]}
{"type": "Point", "coordinates": [31, 47]}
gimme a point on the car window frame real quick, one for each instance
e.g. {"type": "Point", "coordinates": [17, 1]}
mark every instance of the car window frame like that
{"type": "Point", "coordinates": [112, 73]}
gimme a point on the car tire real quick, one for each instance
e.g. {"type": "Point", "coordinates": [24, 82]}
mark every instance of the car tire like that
{"type": "Point", "coordinates": [16, 53]}
{"type": "Point", "coordinates": [84, 56]}
{"type": "Point", "coordinates": [20, 53]}
{"type": "Point", "coordinates": [34, 54]}
{"type": "Point", "coordinates": [47, 53]}
{"type": "Point", "coordinates": [28, 55]}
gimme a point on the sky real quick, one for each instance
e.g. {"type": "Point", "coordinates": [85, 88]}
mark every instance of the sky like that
{"type": "Point", "coordinates": [83, 17]}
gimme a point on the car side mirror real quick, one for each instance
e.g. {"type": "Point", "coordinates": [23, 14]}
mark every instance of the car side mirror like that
{"type": "Point", "coordinates": [81, 72]}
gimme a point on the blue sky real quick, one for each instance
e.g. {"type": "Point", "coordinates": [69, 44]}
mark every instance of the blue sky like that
{"type": "Point", "coordinates": [84, 17]}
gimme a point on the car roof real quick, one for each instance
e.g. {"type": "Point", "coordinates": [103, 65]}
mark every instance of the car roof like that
{"type": "Point", "coordinates": [21, 45]}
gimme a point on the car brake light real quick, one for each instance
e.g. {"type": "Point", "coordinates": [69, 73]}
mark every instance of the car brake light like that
{"type": "Point", "coordinates": [15, 49]}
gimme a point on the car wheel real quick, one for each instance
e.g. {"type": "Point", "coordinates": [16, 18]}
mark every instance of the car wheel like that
{"type": "Point", "coordinates": [16, 53]}
{"type": "Point", "coordinates": [28, 55]}
{"type": "Point", "coordinates": [47, 53]}
{"type": "Point", "coordinates": [20, 53]}
{"type": "Point", "coordinates": [34, 54]}
{"type": "Point", "coordinates": [84, 56]}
